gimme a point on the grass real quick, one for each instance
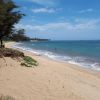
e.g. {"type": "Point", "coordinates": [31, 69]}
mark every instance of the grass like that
{"type": "Point", "coordinates": [2, 97]}
{"type": "Point", "coordinates": [29, 62]}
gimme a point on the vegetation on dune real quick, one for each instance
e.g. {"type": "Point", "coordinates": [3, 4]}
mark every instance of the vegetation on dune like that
{"type": "Point", "coordinates": [29, 62]}
{"type": "Point", "coordinates": [2, 97]}
{"type": "Point", "coordinates": [25, 60]}
{"type": "Point", "coordinates": [7, 52]}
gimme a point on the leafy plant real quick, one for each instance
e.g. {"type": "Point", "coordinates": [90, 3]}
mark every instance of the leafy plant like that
{"type": "Point", "coordinates": [29, 62]}
{"type": "Point", "coordinates": [2, 97]}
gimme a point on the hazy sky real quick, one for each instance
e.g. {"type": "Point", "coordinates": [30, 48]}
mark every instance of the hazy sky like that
{"type": "Point", "coordinates": [61, 19]}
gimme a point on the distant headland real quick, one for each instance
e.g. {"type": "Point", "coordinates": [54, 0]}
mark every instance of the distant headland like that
{"type": "Point", "coordinates": [38, 39]}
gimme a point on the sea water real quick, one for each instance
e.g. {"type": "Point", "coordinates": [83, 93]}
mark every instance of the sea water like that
{"type": "Point", "coordinates": [84, 53]}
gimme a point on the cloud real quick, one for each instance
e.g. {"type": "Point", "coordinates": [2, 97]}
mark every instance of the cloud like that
{"type": "Point", "coordinates": [85, 11]}
{"type": "Point", "coordinates": [44, 2]}
{"type": "Point", "coordinates": [80, 25]}
{"type": "Point", "coordinates": [79, 29]}
{"type": "Point", "coordinates": [44, 10]}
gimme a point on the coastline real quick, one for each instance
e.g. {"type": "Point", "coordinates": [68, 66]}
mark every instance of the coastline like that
{"type": "Point", "coordinates": [76, 56]}
{"type": "Point", "coordinates": [51, 80]}
{"type": "Point", "coordinates": [52, 56]}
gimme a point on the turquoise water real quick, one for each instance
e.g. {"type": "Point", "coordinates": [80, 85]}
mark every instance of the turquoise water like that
{"type": "Point", "coordinates": [85, 53]}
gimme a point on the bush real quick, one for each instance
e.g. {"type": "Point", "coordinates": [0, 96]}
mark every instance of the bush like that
{"type": "Point", "coordinates": [2, 97]}
{"type": "Point", "coordinates": [7, 52]}
{"type": "Point", "coordinates": [29, 62]}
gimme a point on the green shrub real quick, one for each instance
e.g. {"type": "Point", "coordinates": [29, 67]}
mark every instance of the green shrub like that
{"type": "Point", "coordinates": [29, 62]}
{"type": "Point", "coordinates": [2, 97]}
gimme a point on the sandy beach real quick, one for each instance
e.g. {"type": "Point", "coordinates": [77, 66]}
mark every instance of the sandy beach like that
{"type": "Point", "coordinates": [51, 80]}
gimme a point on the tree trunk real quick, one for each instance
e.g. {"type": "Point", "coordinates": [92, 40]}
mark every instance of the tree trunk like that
{"type": "Point", "coordinates": [1, 43]}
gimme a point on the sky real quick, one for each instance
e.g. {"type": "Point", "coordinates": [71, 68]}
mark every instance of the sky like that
{"type": "Point", "coordinates": [61, 19]}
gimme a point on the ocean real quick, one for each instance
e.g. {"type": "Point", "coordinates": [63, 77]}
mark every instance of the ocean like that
{"type": "Point", "coordinates": [84, 53]}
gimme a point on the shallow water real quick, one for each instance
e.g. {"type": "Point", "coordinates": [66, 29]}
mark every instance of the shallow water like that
{"type": "Point", "coordinates": [84, 53]}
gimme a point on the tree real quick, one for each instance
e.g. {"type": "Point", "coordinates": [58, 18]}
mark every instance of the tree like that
{"type": "Point", "coordinates": [19, 35]}
{"type": "Point", "coordinates": [9, 16]}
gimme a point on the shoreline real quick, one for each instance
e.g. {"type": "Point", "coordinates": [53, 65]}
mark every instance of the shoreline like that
{"type": "Point", "coordinates": [94, 68]}
{"type": "Point", "coordinates": [51, 80]}
{"type": "Point", "coordinates": [72, 65]}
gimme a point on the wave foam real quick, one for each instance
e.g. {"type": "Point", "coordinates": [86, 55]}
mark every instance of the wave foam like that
{"type": "Point", "coordinates": [81, 61]}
